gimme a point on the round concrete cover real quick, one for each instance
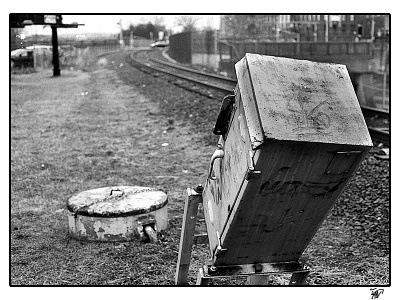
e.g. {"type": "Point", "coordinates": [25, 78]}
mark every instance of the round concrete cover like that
{"type": "Point", "coordinates": [117, 201]}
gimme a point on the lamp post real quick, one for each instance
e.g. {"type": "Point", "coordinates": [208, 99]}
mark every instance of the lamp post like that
{"type": "Point", "coordinates": [121, 34]}
{"type": "Point", "coordinates": [327, 29]}
{"type": "Point", "coordinates": [373, 28]}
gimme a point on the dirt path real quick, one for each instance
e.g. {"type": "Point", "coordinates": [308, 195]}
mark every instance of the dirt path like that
{"type": "Point", "coordinates": [82, 131]}
{"type": "Point", "coordinates": [86, 121]}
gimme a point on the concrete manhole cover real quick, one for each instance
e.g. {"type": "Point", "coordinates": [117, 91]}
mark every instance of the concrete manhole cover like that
{"type": "Point", "coordinates": [120, 213]}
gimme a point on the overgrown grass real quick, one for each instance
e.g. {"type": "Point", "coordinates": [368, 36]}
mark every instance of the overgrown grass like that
{"type": "Point", "coordinates": [85, 130]}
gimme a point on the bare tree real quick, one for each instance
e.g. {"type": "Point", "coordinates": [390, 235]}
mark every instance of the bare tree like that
{"type": "Point", "coordinates": [158, 21]}
{"type": "Point", "coordinates": [244, 25]}
{"type": "Point", "coordinates": [209, 23]}
{"type": "Point", "coordinates": [187, 22]}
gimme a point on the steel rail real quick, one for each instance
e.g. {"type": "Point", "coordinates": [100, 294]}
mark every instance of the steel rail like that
{"type": "Point", "coordinates": [376, 134]}
{"type": "Point", "coordinates": [365, 109]}
{"type": "Point", "coordinates": [380, 135]}
{"type": "Point", "coordinates": [227, 79]}
{"type": "Point", "coordinates": [376, 111]}
{"type": "Point", "coordinates": [204, 83]}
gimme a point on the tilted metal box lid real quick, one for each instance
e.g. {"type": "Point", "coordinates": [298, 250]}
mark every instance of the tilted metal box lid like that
{"type": "Point", "coordinates": [299, 100]}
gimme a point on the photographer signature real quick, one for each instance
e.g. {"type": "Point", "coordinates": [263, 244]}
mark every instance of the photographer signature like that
{"type": "Point", "coordinates": [375, 293]}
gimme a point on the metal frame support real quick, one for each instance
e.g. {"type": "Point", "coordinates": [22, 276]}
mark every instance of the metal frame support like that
{"type": "Point", "coordinates": [194, 198]}
{"type": "Point", "coordinates": [257, 274]}
{"type": "Point", "coordinates": [299, 278]}
{"type": "Point", "coordinates": [201, 278]}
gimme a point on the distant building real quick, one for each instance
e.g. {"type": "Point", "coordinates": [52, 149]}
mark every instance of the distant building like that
{"type": "Point", "coordinates": [260, 27]}
{"type": "Point", "coordinates": [317, 28]}
{"type": "Point", "coordinates": [340, 27]}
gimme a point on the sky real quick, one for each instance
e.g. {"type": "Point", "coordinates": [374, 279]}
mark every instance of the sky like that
{"type": "Point", "coordinates": [109, 23]}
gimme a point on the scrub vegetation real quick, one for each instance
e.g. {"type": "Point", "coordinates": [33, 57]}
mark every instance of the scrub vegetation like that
{"type": "Point", "coordinates": [113, 125]}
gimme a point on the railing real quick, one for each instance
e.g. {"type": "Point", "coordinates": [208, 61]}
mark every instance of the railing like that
{"type": "Point", "coordinates": [296, 49]}
{"type": "Point", "coordinates": [232, 51]}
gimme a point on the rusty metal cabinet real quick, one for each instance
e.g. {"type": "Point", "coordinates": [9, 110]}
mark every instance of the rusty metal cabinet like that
{"type": "Point", "coordinates": [290, 139]}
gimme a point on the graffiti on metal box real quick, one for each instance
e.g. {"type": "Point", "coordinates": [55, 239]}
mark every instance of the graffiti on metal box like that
{"type": "Point", "coordinates": [315, 189]}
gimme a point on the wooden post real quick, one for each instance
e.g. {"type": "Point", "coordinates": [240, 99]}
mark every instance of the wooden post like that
{"type": "Point", "coordinates": [188, 227]}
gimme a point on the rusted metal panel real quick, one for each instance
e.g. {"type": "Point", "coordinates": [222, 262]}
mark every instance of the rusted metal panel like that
{"type": "Point", "coordinates": [283, 167]}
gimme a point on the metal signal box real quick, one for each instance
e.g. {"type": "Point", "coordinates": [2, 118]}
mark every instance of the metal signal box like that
{"type": "Point", "coordinates": [290, 139]}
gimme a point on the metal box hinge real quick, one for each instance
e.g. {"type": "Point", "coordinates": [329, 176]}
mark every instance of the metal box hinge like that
{"type": "Point", "coordinates": [251, 172]}
{"type": "Point", "coordinates": [342, 162]}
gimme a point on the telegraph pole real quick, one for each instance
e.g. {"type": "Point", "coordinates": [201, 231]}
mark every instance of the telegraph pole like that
{"type": "Point", "coordinates": [55, 21]}
{"type": "Point", "coordinates": [56, 60]}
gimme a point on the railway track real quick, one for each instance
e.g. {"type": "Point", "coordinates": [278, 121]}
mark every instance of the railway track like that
{"type": "Point", "coordinates": [207, 80]}
{"type": "Point", "coordinates": [146, 59]}
{"type": "Point", "coordinates": [378, 124]}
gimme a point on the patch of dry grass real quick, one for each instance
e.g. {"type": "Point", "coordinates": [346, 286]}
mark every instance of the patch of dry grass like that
{"type": "Point", "coordinates": [85, 130]}
{"type": "Point", "coordinates": [75, 133]}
